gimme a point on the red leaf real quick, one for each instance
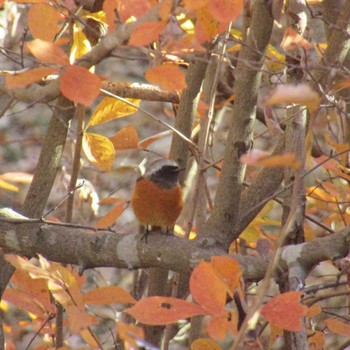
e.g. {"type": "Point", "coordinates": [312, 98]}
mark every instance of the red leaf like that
{"type": "Point", "coordinates": [79, 85]}
{"type": "Point", "coordinates": [207, 288]}
{"type": "Point", "coordinates": [163, 310]}
{"type": "Point", "coordinates": [285, 311]}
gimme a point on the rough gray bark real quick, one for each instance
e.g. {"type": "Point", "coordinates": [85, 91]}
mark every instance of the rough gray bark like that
{"type": "Point", "coordinates": [223, 223]}
{"type": "Point", "coordinates": [29, 237]}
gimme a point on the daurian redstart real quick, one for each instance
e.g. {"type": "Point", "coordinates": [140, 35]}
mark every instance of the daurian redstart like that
{"type": "Point", "coordinates": [157, 196]}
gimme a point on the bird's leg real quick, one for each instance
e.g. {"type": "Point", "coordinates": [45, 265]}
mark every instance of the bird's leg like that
{"type": "Point", "coordinates": [146, 233]}
{"type": "Point", "coordinates": [169, 231]}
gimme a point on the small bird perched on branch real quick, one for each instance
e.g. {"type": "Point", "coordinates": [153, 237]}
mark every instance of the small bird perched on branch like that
{"type": "Point", "coordinates": [157, 196]}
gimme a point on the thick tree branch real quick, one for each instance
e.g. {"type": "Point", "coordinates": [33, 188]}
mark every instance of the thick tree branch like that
{"type": "Point", "coordinates": [337, 49]}
{"type": "Point", "coordinates": [224, 221]}
{"type": "Point", "coordinates": [99, 52]}
{"type": "Point", "coordinates": [109, 249]}
{"type": "Point", "coordinates": [265, 184]}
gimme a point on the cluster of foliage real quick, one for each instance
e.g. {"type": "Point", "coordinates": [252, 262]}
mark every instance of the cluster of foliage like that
{"type": "Point", "coordinates": [64, 42]}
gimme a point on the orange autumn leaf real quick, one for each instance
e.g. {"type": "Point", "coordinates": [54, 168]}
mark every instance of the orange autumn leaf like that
{"type": "Point", "coordinates": [112, 216]}
{"type": "Point", "coordinates": [342, 84]}
{"type": "Point", "coordinates": [313, 311]}
{"type": "Point", "coordinates": [110, 8]}
{"type": "Point", "coordinates": [206, 26]}
{"type": "Point", "coordinates": [169, 77]}
{"type": "Point", "coordinates": [126, 138]}
{"type": "Point", "coordinates": [146, 33]}
{"type": "Point", "coordinates": [48, 52]}
{"type": "Point", "coordinates": [280, 160]}
{"type": "Point", "coordinates": [301, 94]}
{"type": "Point", "coordinates": [78, 319]}
{"type": "Point", "coordinates": [332, 165]}
{"type": "Point", "coordinates": [165, 8]}
{"type": "Point", "coordinates": [110, 200]}
{"type": "Point", "coordinates": [21, 299]}
{"type": "Point", "coordinates": [28, 77]}
{"type": "Point", "coordinates": [79, 85]}
{"type": "Point", "coordinates": [316, 340]}
{"type": "Point", "coordinates": [228, 270]}
{"type": "Point", "coordinates": [338, 327]}
{"type": "Point", "coordinates": [130, 333]}
{"type": "Point", "coordinates": [36, 289]}
{"type": "Point", "coordinates": [132, 9]}
{"type": "Point", "coordinates": [330, 187]}
{"type": "Point", "coordinates": [339, 148]}
{"type": "Point", "coordinates": [108, 295]}
{"type": "Point", "coordinates": [43, 21]}
{"type": "Point", "coordinates": [205, 344]}
{"type": "Point", "coordinates": [149, 140]}
{"type": "Point", "coordinates": [213, 296]}
{"type": "Point", "coordinates": [225, 10]}
{"type": "Point", "coordinates": [292, 39]}
{"type": "Point", "coordinates": [285, 311]}
{"type": "Point", "coordinates": [98, 150]}
{"type": "Point", "coordinates": [29, 1]}
{"type": "Point", "coordinates": [25, 265]}
{"type": "Point", "coordinates": [261, 158]}
{"type": "Point", "coordinates": [219, 326]}
{"type": "Point", "coordinates": [88, 337]}
{"type": "Point", "coordinates": [163, 310]}
{"type": "Point", "coordinates": [195, 4]}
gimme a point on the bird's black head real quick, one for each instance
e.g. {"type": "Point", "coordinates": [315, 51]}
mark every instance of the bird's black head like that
{"type": "Point", "coordinates": [165, 173]}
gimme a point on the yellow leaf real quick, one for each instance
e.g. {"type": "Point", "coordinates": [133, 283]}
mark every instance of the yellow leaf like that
{"type": "Point", "coordinates": [99, 16]}
{"type": "Point", "coordinates": [251, 234]}
{"type": "Point", "coordinates": [81, 45]}
{"type": "Point", "coordinates": [8, 187]}
{"type": "Point", "coordinates": [110, 108]}
{"type": "Point", "coordinates": [99, 150]}
{"type": "Point", "coordinates": [276, 61]}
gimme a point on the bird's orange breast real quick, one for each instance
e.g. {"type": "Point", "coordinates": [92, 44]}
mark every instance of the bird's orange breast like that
{"type": "Point", "coordinates": [156, 206]}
